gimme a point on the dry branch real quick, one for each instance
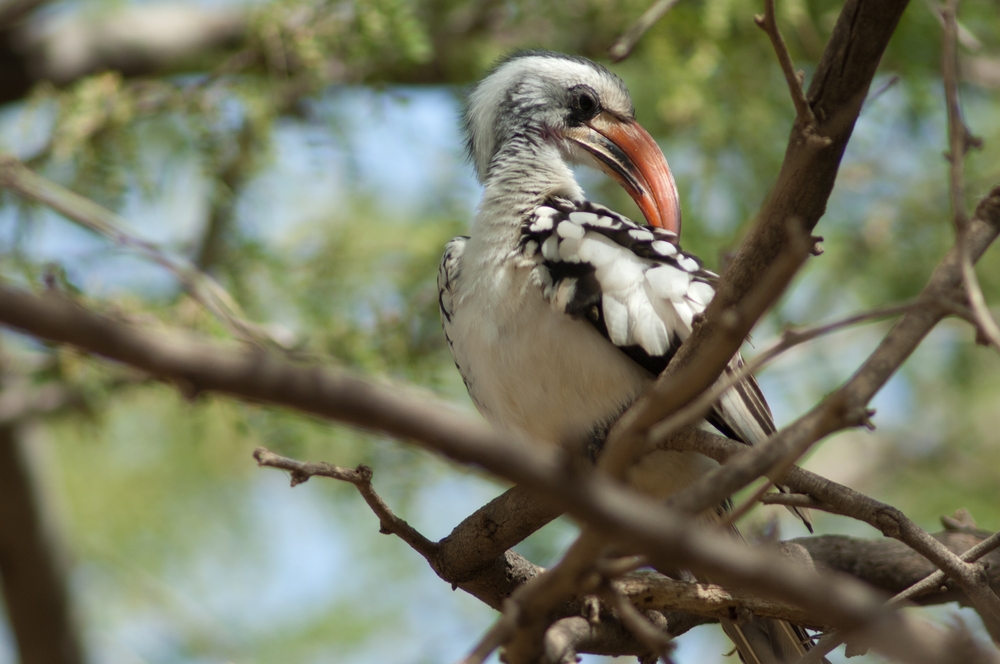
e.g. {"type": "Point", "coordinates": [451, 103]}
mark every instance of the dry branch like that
{"type": "Point", "coordinates": [19, 178]}
{"type": "Point", "coordinates": [360, 477]}
{"type": "Point", "coordinates": [623, 46]}
{"type": "Point", "coordinates": [768, 22]}
{"type": "Point", "coordinates": [838, 88]}
{"type": "Point", "coordinates": [670, 539]}
{"type": "Point", "coordinates": [773, 251]}
{"type": "Point", "coordinates": [847, 406]}
{"type": "Point", "coordinates": [886, 564]}
{"type": "Point", "coordinates": [960, 140]}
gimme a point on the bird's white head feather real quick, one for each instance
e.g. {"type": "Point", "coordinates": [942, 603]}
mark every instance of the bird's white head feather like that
{"type": "Point", "coordinates": [531, 92]}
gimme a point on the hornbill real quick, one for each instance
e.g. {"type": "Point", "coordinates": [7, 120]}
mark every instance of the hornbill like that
{"type": "Point", "coordinates": [559, 312]}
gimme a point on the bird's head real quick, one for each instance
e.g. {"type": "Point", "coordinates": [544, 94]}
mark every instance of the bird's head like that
{"type": "Point", "coordinates": [581, 109]}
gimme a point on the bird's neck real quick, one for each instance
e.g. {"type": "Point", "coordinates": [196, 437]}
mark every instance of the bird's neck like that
{"type": "Point", "coordinates": [522, 175]}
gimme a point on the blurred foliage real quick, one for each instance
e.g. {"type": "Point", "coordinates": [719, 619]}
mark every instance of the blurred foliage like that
{"type": "Point", "coordinates": [166, 517]}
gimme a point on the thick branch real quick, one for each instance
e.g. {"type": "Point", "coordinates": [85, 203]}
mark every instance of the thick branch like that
{"type": "Point", "coordinates": [477, 541]}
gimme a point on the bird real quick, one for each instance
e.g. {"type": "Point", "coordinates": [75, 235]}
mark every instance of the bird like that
{"type": "Point", "coordinates": [559, 312]}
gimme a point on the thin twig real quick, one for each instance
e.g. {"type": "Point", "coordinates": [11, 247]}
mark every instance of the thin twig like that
{"type": "Point", "coordinates": [790, 338]}
{"type": "Point", "coordinates": [623, 46]}
{"type": "Point", "coordinates": [982, 597]}
{"type": "Point", "coordinates": [881, 90]}
{"type": "Point", "coordinates": [935, 580]}
{"type": "Point", "coordinates": [769, 24]}
{"type": "Point", "coordinates": [361, 477]}
{"type": "Point", "coordinates": [960, 140]}
{"type": "Point", "coordinates": [19, 178]}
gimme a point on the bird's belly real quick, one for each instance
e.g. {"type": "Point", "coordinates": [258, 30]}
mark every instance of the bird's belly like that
{"type": "Point", "coordinates": [538, 372]}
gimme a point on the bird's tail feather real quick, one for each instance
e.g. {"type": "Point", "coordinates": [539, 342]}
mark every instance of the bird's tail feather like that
{"type": "Point", "coordinates": [768, 641]}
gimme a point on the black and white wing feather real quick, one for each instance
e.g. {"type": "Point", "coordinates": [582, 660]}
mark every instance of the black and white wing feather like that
{"type": "Point", "coordinates": [637, 287]}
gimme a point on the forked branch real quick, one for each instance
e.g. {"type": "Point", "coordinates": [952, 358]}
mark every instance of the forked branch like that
{"type": "Point", "coordinates": [360, 477]}
{"type": "Point", "coordinates": [960, 140]}
{"type": "Point", "coordinates": [768, 22]}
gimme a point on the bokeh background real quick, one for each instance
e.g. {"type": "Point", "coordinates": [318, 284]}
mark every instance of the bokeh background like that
{"type": "Point", "coordinates": [308, 155]}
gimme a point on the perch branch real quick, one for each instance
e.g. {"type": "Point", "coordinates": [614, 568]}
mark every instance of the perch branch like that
{"type": "Point", "coordinates": [887, 519]}
{"type": "Point", "coordinates": [670, 539]}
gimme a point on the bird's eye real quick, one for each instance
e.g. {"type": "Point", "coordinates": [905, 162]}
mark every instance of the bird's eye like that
{"type": "Point", "coordinates": [584, 103]}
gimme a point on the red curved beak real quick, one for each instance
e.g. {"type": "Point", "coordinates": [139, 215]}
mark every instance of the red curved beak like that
{"type": "Point", "coordinates": [629, 154]}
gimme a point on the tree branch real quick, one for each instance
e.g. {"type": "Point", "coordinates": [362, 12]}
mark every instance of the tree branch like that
{"type": "Point", "coordinates": [360, 477]}
{"type": "Point", "coordinates": [807, 175]}
{"type": "Point", "coordinates": [846, 406]}
{"type": "Point", "coordinates": [960, 140]}
{"type": "Point", "coordinates": [889, 520]}
{"type": "Point", "coordinates": [669, 539]}
{"type": "Point", "coordinates": [18, 178]}
{"type": "Point", "coordinates": [624, 45]}
{"type": "Point", "coordinates": [768, 22]}
{"type": "Point", "coordinates": [798, 200]}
